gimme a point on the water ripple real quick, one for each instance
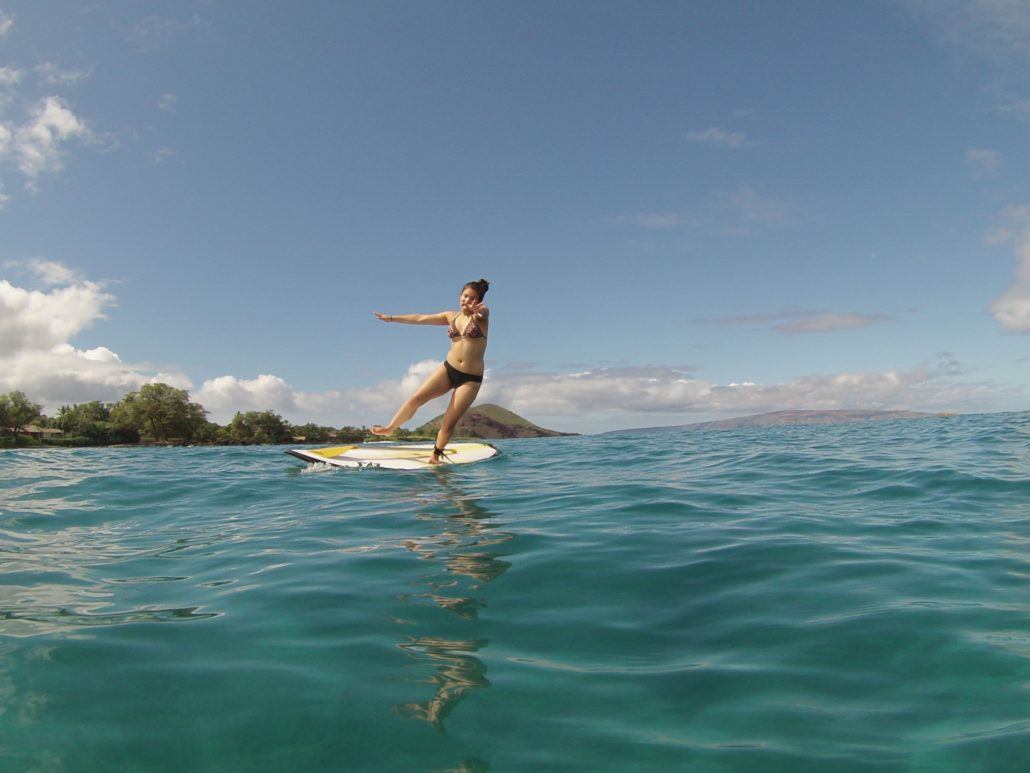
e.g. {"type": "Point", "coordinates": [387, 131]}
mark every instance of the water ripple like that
{"type": "Point", "coordinates": [796, 598]}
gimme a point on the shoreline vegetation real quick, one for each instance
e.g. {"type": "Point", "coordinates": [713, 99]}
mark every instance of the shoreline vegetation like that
{"type": "Point", "coordinates": [161, 415]}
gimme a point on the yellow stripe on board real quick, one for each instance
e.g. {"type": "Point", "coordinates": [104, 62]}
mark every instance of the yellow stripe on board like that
{"type": "Point", "coordinates": [400, 453]}
{"type": "Point", "coordinates": [328, 453]}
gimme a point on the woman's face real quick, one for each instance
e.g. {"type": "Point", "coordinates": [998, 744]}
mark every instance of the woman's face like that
{"type": "Point", "coordinates": [468, 297]}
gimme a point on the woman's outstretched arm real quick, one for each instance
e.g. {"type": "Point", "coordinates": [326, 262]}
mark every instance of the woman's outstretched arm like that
{"type": "Point", "coordinates": [415, 319]}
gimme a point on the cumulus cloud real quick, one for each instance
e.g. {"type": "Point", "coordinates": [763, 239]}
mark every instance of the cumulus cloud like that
{"type": "Point", "coordinates": [719, 138]}
{"type": "Point", "coordinates": [37, 144]}
{"type": "Point", "coordinates": [923, 387]}
{"type": "Point", "coordinates": [602, 392]}
{"type": "Point", "coordinates": [48, 271]}
{"type": "Point", "coordinates": [266, 392]}
{"type": "Point", "coordinates": [33, 320]}
{"type": "Point", "coordinates": [37, 328]}
{"type": "Point", "coordinates": [225, 395]}
{"type": "Point", "coordinates": [795, 322]}
{"type": "Point", "coordinates": [1012, 308]}
{"type": "Point", "coordinates": [38, 356]}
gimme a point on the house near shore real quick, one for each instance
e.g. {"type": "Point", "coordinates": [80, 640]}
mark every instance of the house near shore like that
{"type": "Point", "coordinates": [41, 433]}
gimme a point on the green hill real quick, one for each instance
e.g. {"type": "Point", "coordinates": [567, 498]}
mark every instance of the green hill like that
{"type": "Point", "coordinates": [490, 422]}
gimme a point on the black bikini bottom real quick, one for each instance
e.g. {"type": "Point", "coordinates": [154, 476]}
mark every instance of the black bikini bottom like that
{"type": "Point", "coordinates": [457, 377]}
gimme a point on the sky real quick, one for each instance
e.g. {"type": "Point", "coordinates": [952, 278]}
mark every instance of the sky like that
{"type": "Point", "coordinates": [686, 211]}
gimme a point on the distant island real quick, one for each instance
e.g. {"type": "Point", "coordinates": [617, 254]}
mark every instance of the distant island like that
{"type": "Point", "coordinates": [786, 418]}
{"type": "Point", "coordinates": [489, 422]}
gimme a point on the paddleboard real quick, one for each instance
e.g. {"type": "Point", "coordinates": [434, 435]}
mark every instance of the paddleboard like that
{"type": "Point", "coordinates": [395, 456]}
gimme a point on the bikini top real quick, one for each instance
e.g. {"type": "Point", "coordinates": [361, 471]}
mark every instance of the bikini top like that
{"type": "Point", "coordinates": [472, 330]}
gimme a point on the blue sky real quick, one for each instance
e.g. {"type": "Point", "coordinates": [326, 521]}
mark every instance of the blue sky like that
{"type": "Point", "coordinates": [686, 210]}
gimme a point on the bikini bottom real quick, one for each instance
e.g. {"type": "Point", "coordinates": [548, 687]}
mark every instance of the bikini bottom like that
{"type": "Point", "coordinates": [458, 377]}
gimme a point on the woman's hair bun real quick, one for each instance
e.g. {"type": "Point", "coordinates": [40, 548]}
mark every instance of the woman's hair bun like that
{"type": "Point", "coordinates": [480, 287]}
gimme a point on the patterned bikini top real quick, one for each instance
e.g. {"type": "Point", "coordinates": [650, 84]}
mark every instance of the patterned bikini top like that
{"type": "Point", "coordinates": [472, 330]}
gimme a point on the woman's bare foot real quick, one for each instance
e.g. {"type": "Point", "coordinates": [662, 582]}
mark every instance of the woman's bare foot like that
{"type": "Point", "coordinates": [379, 429]}
{"type": "Point", "coordinates": [434, 459]}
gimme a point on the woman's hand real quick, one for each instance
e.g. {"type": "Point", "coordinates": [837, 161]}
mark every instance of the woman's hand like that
{"type": "Point", "coordinates": [383, 317]}
{"type": "Point", "coordinates": [477, 310]}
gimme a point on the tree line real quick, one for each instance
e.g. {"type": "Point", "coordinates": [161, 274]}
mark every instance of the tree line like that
{"type": "Point", "coordinates": [156, 414]}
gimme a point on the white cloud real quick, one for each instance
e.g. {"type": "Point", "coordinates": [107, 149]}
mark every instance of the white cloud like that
{"type": "Point", "coordinates": [37, 356]}
{"type": "Point", "coordinates": [225, 395]}
{"type": "Point", "coordinates": [32, 320]}
{"type": "Point", "coordinates": [922, 387]}
{"type": "Point", "coordinates": [48, 271]}
{"type": "Point", "coordinates": [167, 102]}
{"type": "Point", "coordinates": [596, 398]}
{"type": "Point", "coordinates": [37, 143]}
{"type": "Point", "coordinates": [1012, 308]}
{"type": "Point", "coordinates": [984, 160]}
{"type": "Point", "coordinates": [228, 393]}
{"type": "Point", "coordinates": [6, 22]}
{"type": "Point", "coordinates": [163, 155]}
{"type": "Point", "coordinates": [36, 353]}
{"type": "Point", "coordinates": [53, 75]}
{"type": "Point", "coordinates": [720, 138]}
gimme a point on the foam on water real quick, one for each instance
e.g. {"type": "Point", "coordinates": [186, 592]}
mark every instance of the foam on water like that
{"type": "Point", "coordinates": [793, 598]}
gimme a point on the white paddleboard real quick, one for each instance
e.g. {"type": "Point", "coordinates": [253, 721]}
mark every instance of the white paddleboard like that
{"type": "Point", "coordinates": [395, 456]}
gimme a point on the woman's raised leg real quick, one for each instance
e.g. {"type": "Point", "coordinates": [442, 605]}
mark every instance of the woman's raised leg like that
{"type": "Point", "coordinates": [436, 385]}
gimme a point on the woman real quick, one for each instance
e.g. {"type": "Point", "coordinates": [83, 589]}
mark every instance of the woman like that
{"type": "Point", "coordinates": [462, 371]}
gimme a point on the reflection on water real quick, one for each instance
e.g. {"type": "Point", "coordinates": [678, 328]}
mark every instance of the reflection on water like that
{"type": "Point", "coordinates": [457, 673]}
{"type": "Point", "coordinates": [464, 560]}
{"type": "Point", "coordinates": [52, 581]}
{"type": "Point", "coordinates": [471, 765]}
{"type": "Point", "coordinates": [28, 621]}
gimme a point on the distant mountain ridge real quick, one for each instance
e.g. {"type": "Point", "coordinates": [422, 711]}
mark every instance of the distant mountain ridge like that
{"type": "Point", "coordinates": [786, 418]}
{"type": "Point", "coordinates": [490, 422]}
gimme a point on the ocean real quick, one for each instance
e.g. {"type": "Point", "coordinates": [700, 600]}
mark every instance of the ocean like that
{"type": "Point", "coordinates": [851, 597]}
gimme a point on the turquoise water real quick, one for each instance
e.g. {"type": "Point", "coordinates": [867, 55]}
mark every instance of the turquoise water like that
{"type": "Point", "coordinates": [804, 598]}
